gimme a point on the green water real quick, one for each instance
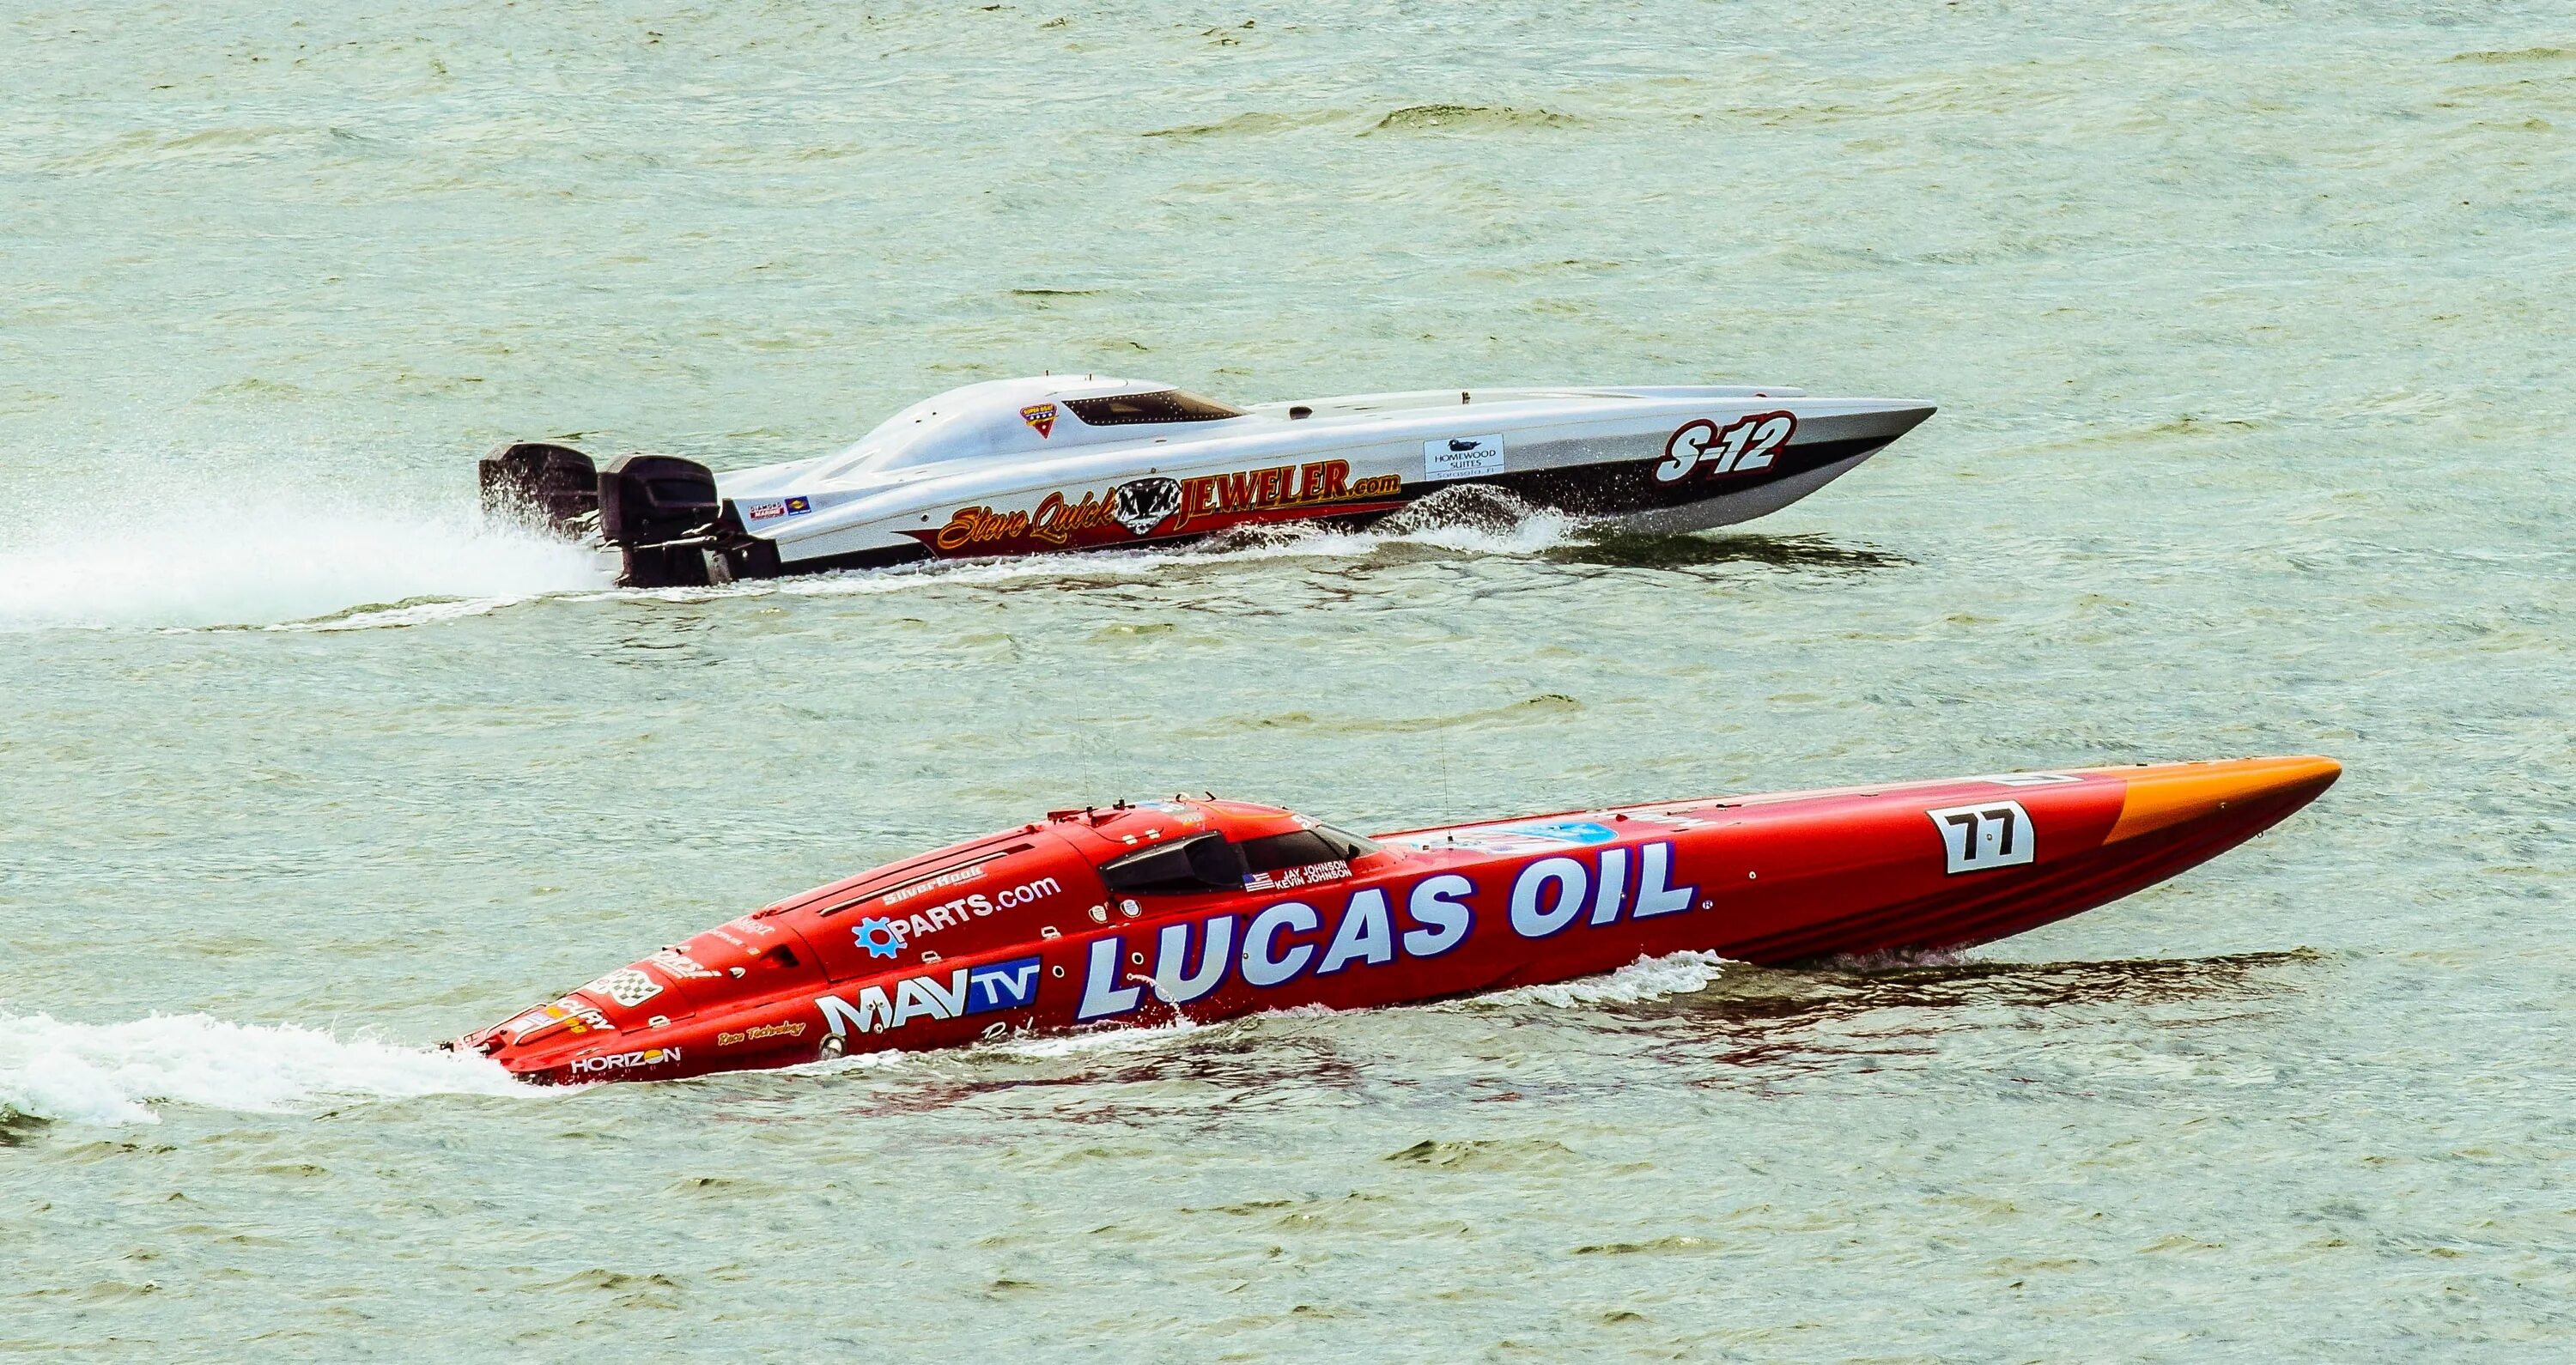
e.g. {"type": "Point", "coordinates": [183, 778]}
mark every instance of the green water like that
{"type": "Point", "coordinates": [2249, 328]}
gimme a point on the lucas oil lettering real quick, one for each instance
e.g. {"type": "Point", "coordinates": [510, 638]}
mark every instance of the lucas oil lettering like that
{"type": "Point", "coordinates": [1289, 940]}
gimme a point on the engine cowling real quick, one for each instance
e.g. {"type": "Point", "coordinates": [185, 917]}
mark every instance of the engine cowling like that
{"type": "Point", "coordinates": [660, 511]}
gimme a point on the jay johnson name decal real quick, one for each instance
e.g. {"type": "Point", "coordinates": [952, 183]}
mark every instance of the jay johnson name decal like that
{"type": "Point", "coordinates": [1157, 505]}
{"type": "Point", "coordinates": [1283, 942]}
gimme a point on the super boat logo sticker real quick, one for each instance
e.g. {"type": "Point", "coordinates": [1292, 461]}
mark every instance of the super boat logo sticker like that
{"type": "Point", "coordinates": [1743, 446]}
{"type": "Point", "coordinates": [1143, 504]}
{"type": "Point", "coordinates": [679, 966]}
{"type": "Point", "coordinates": [1040, 417]}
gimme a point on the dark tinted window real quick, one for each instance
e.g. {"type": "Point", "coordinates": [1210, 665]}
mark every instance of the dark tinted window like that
{"type": "Point", "coordinates": [1206, 863]}
{"type": "Point", "coordinates": [1171, 405]}
{"type": "Point", "coordinates": [1303, 848]}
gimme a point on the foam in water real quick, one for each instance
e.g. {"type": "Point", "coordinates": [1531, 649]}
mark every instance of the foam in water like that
{"type": "Point", "coordinates": [117, 1073]}
{"type": "Point", "coordinates": [301, 566]}
{"type": "Point", "coordinates": [1647, 978]}
{"type": "Point", "coordinates": [274, 562]}
{"type": "Point", "coordinates": [181, 561]}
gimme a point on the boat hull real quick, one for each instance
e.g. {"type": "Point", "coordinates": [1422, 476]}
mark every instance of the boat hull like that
{"type": "Point", "coordinates": [1649, 459]}
{"type": "Point", "coordinates": [1431, 914]}
{"type": "Point", "coordinates": [1654, 479]}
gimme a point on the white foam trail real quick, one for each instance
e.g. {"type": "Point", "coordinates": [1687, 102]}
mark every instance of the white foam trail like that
{"type": "Point", "coordinates": [117, 1073]}
{"type": "Point", "coordinates": [296, 565]}
{"type": "Point", "coordinates": [182, 562]}
{"type": "Point", "coordinates": [1109, 1040]}
{"type": "Point", "coordinates": [1647, 978]}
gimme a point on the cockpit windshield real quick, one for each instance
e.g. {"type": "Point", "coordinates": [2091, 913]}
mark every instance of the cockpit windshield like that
{"type": "Point", "coordinates": [1132, 409]}
{"type": "Point", "coordinates": [1190, 867]}
{"type": "Point", "coordinates": [1303, 848]}
{"type": "Point", "coordinates": [1206, 863]}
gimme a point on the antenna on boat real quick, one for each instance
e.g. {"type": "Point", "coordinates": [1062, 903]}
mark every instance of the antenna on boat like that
{"type": "Point", "coordinates": [1447, 809]}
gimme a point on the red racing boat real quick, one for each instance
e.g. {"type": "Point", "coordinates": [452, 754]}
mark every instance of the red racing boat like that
{"type": "Point", "coordinates": [1139, 914]}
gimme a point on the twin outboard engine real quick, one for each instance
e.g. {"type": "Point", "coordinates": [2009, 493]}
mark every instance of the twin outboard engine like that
{"type": "Point", "coordinates": [660, 511]}
{"type": "Point", "coordinates": [532, 480]}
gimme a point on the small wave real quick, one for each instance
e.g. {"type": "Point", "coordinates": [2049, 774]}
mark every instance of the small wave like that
{"type": "Point", "coordinates": [1097, 1042]}
{"type": "Point", "coordinates": [1469, 118]}
{"type": "Point", "coordinates": [119, 1073]}
{"type": "Point", "coordinates": [265, 561]}
{"type": "Point", "coordinates": [1251, 122]}
{"type": "Point", "coordinates": [1647, 978]}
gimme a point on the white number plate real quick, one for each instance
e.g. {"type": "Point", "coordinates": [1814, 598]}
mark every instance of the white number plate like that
{"type": "Point", "coordinates": [1987, 835]}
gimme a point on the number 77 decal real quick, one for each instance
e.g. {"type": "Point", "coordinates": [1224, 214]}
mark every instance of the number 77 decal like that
{"type": "Point", "coordinates": [1987, 835]}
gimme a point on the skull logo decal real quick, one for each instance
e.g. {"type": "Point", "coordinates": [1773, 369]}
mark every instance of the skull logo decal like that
{"type": "Point", "coordinates": [1144, 503]}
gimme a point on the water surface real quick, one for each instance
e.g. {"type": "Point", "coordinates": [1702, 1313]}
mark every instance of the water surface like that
{"type": "Point", "coordinates": [2249, 331]}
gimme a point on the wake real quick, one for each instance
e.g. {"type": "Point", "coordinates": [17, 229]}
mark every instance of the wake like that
{"type": "Point", "coordinates": [116, 1074]}
{"type": "Point", "coordinates": [289, 566]}
{"type": "Point", "coordinates": [272, 559]}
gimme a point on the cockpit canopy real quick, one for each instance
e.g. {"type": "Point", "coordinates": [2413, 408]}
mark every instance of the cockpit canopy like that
{"type": "Point", "coordinates": [1211, 862]}
{"type": "Point", "coordinates": [1021, 417]}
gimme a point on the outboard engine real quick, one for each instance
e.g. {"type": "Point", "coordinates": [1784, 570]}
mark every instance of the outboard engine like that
{"type": "Point", "coordinates": [660, 511]}
{"type": "Point", "coordinates": [531, 479]}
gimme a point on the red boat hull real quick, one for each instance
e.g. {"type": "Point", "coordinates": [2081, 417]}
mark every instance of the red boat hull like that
{"type": "Point", "coordinates": [1019, 933]}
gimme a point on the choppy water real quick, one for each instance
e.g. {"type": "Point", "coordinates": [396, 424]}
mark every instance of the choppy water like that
{"type": "Point", "coordinates": [2250, 330]}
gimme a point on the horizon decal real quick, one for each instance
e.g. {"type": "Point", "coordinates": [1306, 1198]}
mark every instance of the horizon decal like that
{"type": "Point", "coordinates": [627, 1061]}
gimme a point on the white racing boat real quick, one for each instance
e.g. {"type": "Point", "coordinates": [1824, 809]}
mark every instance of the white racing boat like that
{"type": "Point", "coordinates": [1058, 463]}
